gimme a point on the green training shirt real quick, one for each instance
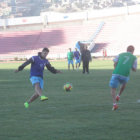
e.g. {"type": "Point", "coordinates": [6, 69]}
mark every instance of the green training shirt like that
{"type": "Point", "coordinates": [124, 64]}
{"type": "Point", "coordinates": [70, 55]}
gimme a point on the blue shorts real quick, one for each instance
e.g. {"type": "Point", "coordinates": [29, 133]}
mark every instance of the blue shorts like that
{"type": "Point", "coordinates": [117, 79]}
{"type": "Point", "coordinates": [77, 61]}
{"type": "Point", "coordinates": [70, 62]}
{"type": "Point", "coordinates": [36, 79]}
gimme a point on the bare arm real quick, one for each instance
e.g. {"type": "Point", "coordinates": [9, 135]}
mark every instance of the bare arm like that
{"type": "Point", "coordinates": [115, 60]}
{"type": "Point", "coordinates": [134, 67]}
{"type": "Point", "coordinates": [115, 64]}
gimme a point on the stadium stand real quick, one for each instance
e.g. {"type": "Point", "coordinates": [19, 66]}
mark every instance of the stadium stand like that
{"type": "Point", "coordinates": [117, 33]}
{"type": "Point", "coordinates": [58, 40]}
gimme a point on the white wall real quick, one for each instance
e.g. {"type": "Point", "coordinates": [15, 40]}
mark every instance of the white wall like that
{"type": "Point", "coordinates": [50, 17]}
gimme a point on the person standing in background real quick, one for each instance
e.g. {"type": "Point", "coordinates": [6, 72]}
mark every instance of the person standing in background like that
{"type": "Point", "coordinates": [86, 57]}
{"type": "Point", "coordinates": [77, 58]}
{"type": "Point", "coordinates": [70, 57]}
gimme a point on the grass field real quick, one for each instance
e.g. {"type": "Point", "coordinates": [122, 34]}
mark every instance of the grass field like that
{"type": "Point", "coordinates": [82, 114]}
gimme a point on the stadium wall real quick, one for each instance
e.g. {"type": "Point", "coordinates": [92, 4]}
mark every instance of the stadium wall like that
{"type": "Point", "coordinates": [47, 18]}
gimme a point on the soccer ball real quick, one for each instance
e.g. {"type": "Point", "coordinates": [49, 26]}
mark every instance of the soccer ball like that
{"type": "Point", "coordinates": [68, 87]}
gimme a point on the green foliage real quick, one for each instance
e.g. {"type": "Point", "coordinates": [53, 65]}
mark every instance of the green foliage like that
{"type": "Point", "coordinates": [82, 114]}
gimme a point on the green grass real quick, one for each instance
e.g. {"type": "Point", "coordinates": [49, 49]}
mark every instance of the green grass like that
{"type": "Point", "coordinates": [82, 114]}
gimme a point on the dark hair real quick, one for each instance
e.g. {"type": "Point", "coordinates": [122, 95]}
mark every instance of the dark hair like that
{"type": "Point", "coordinates": [130, 48]}
{"type": "Point", "coordinates": [45, 49]}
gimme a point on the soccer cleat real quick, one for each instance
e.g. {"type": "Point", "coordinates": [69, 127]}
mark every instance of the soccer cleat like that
{"type": "Point", "coordinates": [117, 98]}
{"type": "Point", "coordinates": [43, 98]}
{"type": "Point", "coordinates": [26, 104]}
{"type": "Point", "coordinates": [115, 107]}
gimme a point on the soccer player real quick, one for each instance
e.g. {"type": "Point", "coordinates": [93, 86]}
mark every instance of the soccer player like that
{"type": "Point", "coordinates": [77, 58]}
{"type": "Point", "coordinates": [123, 63]}
{"type": "Point", "coordinates": [36, 74]}
{"type": "Point", "coordinates": [70, 57]}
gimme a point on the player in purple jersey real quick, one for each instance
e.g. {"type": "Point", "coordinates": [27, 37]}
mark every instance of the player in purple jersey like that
{"type": "Point", "coordinates": [77, 58]}
{"type": "Point", "coordinates": [36, 73]}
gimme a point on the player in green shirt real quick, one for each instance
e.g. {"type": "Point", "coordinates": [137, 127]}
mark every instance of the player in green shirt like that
{"type": "Point", "coordinates": [123, 63]}
{"type": "Point", "coordinates": [70, 57]}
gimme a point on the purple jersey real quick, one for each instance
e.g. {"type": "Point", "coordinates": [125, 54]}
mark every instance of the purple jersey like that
{"type": "Point", "coordinates": [37, 67]}
{"type": "Point", "coordinates": [76, 55]}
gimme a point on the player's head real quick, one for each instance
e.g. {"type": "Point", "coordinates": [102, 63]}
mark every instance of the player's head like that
{"type": "Point", "coordinates": [44, 52]}
{"type": "Point", "coordinates": [130, 49]}
{"type": "Point", "coordinates": [75, 49]}
{"type": "Point", "coordinates": [70, 49]}
{"type": "Point", "coordinates": [85, 46]}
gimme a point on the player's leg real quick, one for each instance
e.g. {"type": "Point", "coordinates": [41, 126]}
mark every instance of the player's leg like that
{"type": "Point", "coordinates": [84, 67]}
{"type": "Point", "coordinates": [37, 82]}
{"type": "Point", "coordinates": [113, 94]}
{"type": "Point", "coordinates": [114, 84]}
{"type": "Point", "coordinates": [37, 93]}
{"type": "Point", "coordinates": [35, 96]}
{"type": "Point", "coordinates": [87, 67]}
{"type": "Point", "coordinates": [76, 64]}
{"type": "Point", "coordinates": [123, 81]}
{"type": "Point", "coordinates": [68, 64]}
{"type": "Point", "coordinates": [38, 89]}
{"type": "Point", "coordinates": [79, 63]}
{"type": "Point", "coordinates": [122, 89]}
{"type": "Point", "coordinates": [72, 64]}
